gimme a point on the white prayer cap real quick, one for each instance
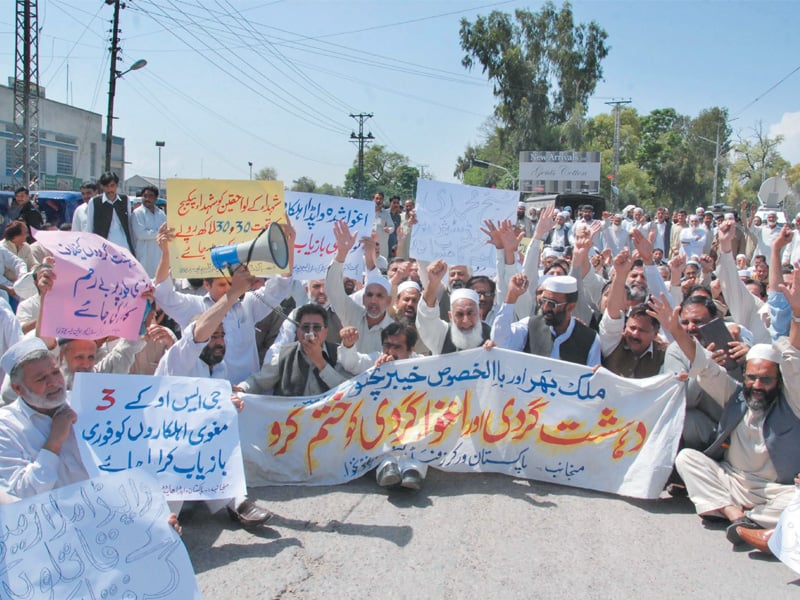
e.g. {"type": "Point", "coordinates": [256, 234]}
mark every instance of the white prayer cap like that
{"type": "Point", "coordinates": [738, 256]}
{"type": "Point", "coordinates": [694, 263]}
{"type": "Point", "coordinates": [408, 285]}
{"type": "Point", "coordinates": [520, 205]}
{"type": "Point", "coordinates": [764, 352]}
{"type": "Point", "coordinates": [561, 284]}
{"type": "Point", "coordinates": [564, 213]}
{"type": "Point", "coordinates": [463, 293]}
{"type": "Point", "coordinates": [379, 280]}
{"type": "Point", "coordinates": [628, 208]}
{"type": "Point", "coordinates": [729, 216]}
{"type": "Point", "coordinates": [744, 273]}
{"type": "Point", "coordinates": [549, 252]}
{"type": "Point", "coordinates": [19, 351]}
{"type": "Point", "coordinates": [700, 210]}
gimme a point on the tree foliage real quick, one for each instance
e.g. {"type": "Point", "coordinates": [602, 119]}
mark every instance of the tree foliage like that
{"type": "Point", "coordinates": [304, 184]}
{"type": "Point", "coordinates": [384, 171]}
{"type": "Point", "coordinates": [267, 174]}
{"type": "Point", "coordinates": [756, 158]}
{"type": "Point", "coordinates": [543, 66]}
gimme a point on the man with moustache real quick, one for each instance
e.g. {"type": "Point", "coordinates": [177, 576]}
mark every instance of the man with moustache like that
{"type": "Point", "coordinates": [553, 332]}
{"type": "Point", "coordinates": [38, 448]}
{"type": "Point", "coordinates": [745, 475]}
{"type": "Point", "coordinates": [465, 329]}
{"type": "Point", "coordinates": [629, 338]}
{"type": "Point", "coordinates": [368, 316]}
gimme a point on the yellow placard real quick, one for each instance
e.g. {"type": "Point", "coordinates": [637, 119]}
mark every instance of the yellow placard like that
{"type": "Point", "coordinates": [218, 212]}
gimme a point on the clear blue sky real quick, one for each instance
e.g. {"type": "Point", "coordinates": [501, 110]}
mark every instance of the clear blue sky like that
{"type": "Point", "coordinates": [273, 82]}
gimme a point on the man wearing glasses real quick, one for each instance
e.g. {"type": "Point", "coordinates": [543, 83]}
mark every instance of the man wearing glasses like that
{"type": "Point", "coordinates": [307, 367]}
{"type": "Point", "coordinates": [553, 331]}
{"type": "Point", "coordinates": [745, 476]}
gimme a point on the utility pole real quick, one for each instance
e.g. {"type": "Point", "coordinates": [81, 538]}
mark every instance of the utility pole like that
{"type": "Point", "coordinates": [26, 94]}
{"type": "Point", "coordinates": [112, 82]}
{"type": "Point", "coordinates": [361, 140]}
{"type": "Point", "coordinates": [615, 185]}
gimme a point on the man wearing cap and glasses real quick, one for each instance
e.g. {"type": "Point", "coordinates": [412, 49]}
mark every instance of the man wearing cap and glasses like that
{"type": "Point", "coordinates": [745, 476]}
{"type": "Point", "coordinates": [554, 332]}
{"type": "Point", "coordinates": [306, 367]}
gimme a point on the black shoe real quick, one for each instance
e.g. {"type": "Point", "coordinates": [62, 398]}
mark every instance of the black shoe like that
{"type": "Point", "coordinates": [249, 515]}
{"type": "Point", "coordinates": [733, 535]}
{"type": "Point", "coordinates": [389, 475]}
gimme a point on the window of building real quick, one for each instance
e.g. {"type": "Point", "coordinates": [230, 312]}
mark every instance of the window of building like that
{"type": "Point", "coordinates": [64, 162]}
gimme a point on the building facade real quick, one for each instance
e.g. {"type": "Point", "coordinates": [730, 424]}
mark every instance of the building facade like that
{"type": "Point", "coordinates": [72, 145]}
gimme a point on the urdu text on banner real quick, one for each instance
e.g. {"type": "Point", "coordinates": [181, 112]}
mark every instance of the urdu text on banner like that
{"type": "Point", "coordinates": [449, 221]}
{"type": "Point", "coordinates": [97, 291]}
{"type": "Point", "coordinates": [313, 216]}
{"type": "Point", "coordinates": [476, 411]}
{"type": "Point", "coordinates": [206, 213]}
{"type": "Point", "coordinates": [183, 430]}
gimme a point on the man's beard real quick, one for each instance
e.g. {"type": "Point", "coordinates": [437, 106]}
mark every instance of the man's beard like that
{"type": "Point", "coordinates": [43, 402]}
{"type": "Point", "coordinates": [760, 403]}
{"type": "Point", "coordinates": [211, 359]}
{"type": "Point", "coordinates": [553, 318]}
{"type": "Point", "coordinates": [469, 339]}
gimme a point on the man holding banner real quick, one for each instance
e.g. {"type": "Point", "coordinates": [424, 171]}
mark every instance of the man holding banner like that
{"type": "Point", "coordinates": [239, 321]}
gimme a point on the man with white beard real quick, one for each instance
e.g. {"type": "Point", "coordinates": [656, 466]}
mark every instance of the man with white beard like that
{"type": "Point", "coordinates": [465, 330]}
{"type": "Point", "coordinates": [693, 238]}
{"type": "Point", "coordinates": [38, 448]}
{"type": "Point", "coordinates": [616, 236]}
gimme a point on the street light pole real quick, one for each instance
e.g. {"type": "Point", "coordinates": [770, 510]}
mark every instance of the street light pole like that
{"type": "Point", "coordinates": [112, 89]}
{"type": "Point", "coordinates": [483, 164]}
{"type": "Point", "coordinates": [250, 164]}
{"type": "Point", "coordinates": [159, 145]}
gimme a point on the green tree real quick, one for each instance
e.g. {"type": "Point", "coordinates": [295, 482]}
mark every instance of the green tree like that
{"type": "Point", "coordinates": [330, 190]}
{"type": "Point", "coordinates": [543, 66]}
{"type": "Point", "coordinates": [267, 174]}
{"type": "Point", "coordinates": [384, 171]}
{"type": "Point", "coordinates": [702, 139]}
{"type": "Point", "coordinates": [304, 184]}
{"type": "Point", "coordinates": [756, 159]}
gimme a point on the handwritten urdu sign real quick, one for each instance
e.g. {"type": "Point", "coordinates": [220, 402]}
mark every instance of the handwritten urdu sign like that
{"type": "Point", "coordinates": [313, 216]}
{"type": "Point", "coordinates": [97, 291]}
{"type": "Point", "coordinates": [182, 430]}
{"type": "Point", "coordinates": [215, 212]}
{"type": "Point", "coordinates": [107, 537]}
{"type": "Point", "coordinates": [449, 221]}
{"type": "Point", "coordinates": [497, 411]}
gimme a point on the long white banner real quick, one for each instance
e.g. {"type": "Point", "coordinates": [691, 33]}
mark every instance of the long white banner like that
{"type": "Point", "coordinates": [484, 411]}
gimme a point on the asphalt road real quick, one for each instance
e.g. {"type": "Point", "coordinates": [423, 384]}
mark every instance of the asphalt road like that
{"type": "Point", "coordinates": [472, 536]}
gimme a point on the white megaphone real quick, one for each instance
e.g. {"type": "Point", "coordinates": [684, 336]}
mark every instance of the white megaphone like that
{"type": "Point", "coordinates": [269, 246]}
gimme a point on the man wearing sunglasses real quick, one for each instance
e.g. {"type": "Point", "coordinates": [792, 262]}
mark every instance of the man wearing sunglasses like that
{"type": "Point", "coordinates": [745, 476]}
{"type": "Point", "coordinates": [307, 367]}
{"type": "Point", "coordinates": [553, 332]}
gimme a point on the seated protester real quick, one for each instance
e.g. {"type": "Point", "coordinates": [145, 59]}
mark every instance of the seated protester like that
{"type": "Point", "coordinates": [10, 331]}
{"type": "Point", "coordinates": [15, 241]}
{"type": "Point", "coordinates": [368, 316]}
{"type": "Point", "coordinates": [80, 356]}
{"type": "Point", "coordinates": [306, 367]}
{"type": "Point", "coordinates": [745, 474]}
{"type": "Point", "coordinates": [465, 330]}
{"type": "Point", "coordinates": [201, 352]}
{"type": "Point", "coordinates": [702, 412]}
{"type": "Point", "coordinates": [11, 269]}
{"type": "Point", "coordinates": [397, 469]}
{"type": "Point", "coordinates": [554, 332]}
{"type": "Point", "coordinates": [630, 346]}
{"type": "Point", "coordinates": [315, 294]}
{"type": "Point", "coordinates": [38, 447]}
{"type": "Point", "coordinates": [239, 321]}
